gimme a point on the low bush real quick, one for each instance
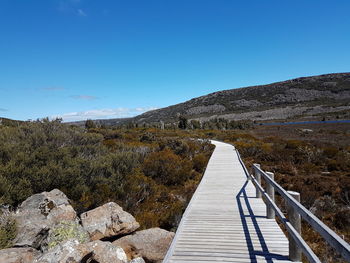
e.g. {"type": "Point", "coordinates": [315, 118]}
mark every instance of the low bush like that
{"type": "Point", "coordinates": [8, 230]}
{"type": "Point", "coordinates": [144, 170]}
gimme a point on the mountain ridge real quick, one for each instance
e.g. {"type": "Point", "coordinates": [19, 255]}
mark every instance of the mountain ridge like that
{"type": "Point", "coordinates": [299, 98]}
{"type": "Point", "coordinates": [304, 96]}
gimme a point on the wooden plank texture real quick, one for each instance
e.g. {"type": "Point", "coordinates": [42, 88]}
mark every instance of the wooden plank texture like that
{"type": "Point", "coordinates": [224, 222]}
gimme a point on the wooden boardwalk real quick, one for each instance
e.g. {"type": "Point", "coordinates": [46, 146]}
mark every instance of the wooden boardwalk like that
{"type": "Point", "coordinates": [224, 222]}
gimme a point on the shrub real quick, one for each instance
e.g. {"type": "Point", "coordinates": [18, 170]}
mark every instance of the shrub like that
{"type": "Point", "coordinates": [179, 147]}
{"type": "Point", "coordinates": [8, 230]}
{"type": "Point", "coordinates": [147, 137]}
{"type": "Point", "coordinates": [138, 188]}
{"type": "Point", "coordinates": [342, 219]}
{"type": "Point", "coordinates": [330, 152]}
{"type": "Point", "coordinates": [167, 168]}
{"type": "Point", "coordinates": [183, 122]}
{"type": "Point", "coordinates": [144, 170]}
{"type": "Point", "coordinates": [89, 124]}
{"type": "Point", "coordinates": [293, 144]}
{"type": "Point", "coordinates": [200, 162]}
{"type": "Point", "coordinates": [332, 165]}
{"type": "Point", "coordinates": [322, 206]}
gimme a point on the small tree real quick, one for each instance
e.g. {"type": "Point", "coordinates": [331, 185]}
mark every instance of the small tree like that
{"type": "Point", "coordinates": [195, 124]}
{"type": "Point", "coordinates": [183, 122]}
{"type": "Point", "coordinates": [89, 124]}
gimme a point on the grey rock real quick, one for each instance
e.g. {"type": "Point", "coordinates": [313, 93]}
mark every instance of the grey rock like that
{"type": "Point", "coordinates": [64, 231]}
{"type": "Point", "coordinates": [137, 260]}
{"type": "Point", "coordinates": [73, 252]}
{"type": "Point", "coordinates": [108, 220]}
{"type": "Point", "coordinates": [106, 252]}
{"type": "Point", "coordinates": [18, 255]}
{"type": "Point", "coordinates": [204, 109]}
{"type": "Point", "coordinates": [65, 251]}
{"type": "Point", "coordinates": [4, 213]}
{"type": "Point", "coordinates": [38, 214]}
{"type": "Point", "coordinates": [151, 244]}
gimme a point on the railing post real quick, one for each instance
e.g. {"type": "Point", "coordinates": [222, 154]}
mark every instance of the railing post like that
{"type": "Point", "coordinates": [295, 219]}
{"type": "Point", "coordinates": [270, 190]}
{"type": "Point", "coordinates": [258, 179]}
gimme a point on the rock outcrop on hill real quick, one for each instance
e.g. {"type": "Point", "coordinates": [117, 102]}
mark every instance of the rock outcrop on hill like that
{"type": "Point", "coordinates": [306, 97]}
{"type": "Point", "coordinates": [300, 97]}
{"type": "Point", "coordinates": [49, 231]}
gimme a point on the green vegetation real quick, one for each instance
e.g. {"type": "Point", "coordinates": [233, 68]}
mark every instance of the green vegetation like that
{"type": "Point", "coordinates": [183, 122]}
{"type": "Point", "coordinates": [8, 230]}
{"type": "Point", "coordinates": [151, 173]}
{"type": "Point", "coordinates": [215, 124]}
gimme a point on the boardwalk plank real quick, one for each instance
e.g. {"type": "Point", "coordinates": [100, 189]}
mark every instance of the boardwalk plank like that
{"type": "Point", "coordinates": [224, 222]}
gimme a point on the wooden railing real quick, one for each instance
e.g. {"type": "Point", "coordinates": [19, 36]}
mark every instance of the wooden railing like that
{"type": "Point", "coordinates": [295, 212]}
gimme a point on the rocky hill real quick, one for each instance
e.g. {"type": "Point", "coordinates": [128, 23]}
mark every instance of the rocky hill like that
{"type": "Point", "coordinates": [301, 97]}
{"type": "Point", "coordinates": [312, 97]}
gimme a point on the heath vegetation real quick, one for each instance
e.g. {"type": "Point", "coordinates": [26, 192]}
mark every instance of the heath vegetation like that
{"type": "Point", "coordinates": [153, 172]}
{"type": "Point", "coordinates": [149, 172]}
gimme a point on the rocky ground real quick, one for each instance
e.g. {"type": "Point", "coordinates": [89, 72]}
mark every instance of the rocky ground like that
{"type": "Point", "coordinates": [50, 231]}
{"type": "Point", "coordinates": [282, 113]}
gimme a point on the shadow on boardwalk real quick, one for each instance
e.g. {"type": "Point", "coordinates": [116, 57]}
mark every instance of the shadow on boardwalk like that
{"type": "Point", "coordinates": [242, 199]}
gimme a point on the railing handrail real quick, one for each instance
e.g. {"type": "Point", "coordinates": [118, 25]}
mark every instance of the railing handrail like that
{"type": "Point", "coordinates": [340, 245]}
{"type": "Point", "coordinates": [311, 256]}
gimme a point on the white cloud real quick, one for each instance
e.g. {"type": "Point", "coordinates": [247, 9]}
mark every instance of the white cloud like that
{"type": "Point", "coordinates": [52, 88]}
{"type": "Point", "coordinates": [102, 114]}
{"type": "Point", "coordinates": [81, 12]}
{"type": "Point", "coordinates": [84, 97]}
{"type": "Point", "coordinates": [71, 7]}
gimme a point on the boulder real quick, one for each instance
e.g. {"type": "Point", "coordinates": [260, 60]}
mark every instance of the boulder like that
{"type": "Point", "coordinates": [73, 252]}
{"type": "Point", "coordinates": [38, 214]}
{"type": "Point", "coordinates": [18, 255]}
{"type": "Point", "coordinates": [137, 260]}
{"type": "Point", "coordinates": [108, 220]}
{"type": "Point", "coordinates": [64, 231]}
{"type": "Point", "coordinates": [151, 244]}
{"type": "Point", "coordinates": [106, 252]}
{"type": "Point", "coordinates": [70, 251]}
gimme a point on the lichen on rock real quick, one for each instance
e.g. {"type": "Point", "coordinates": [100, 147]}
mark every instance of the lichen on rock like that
{"type": "Point", "coordinates": [38, 214]}
{"type": "Point", "coordinates": [66, 230]}
{"type": "Point", "coordinates": [72, 251]}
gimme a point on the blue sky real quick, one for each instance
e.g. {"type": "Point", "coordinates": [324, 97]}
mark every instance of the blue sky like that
{"type": "Point", "coordinates": [81, 59]}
